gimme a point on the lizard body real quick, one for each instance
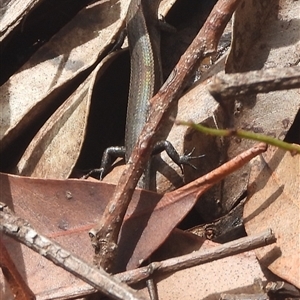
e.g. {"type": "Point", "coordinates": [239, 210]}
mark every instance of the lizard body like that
{"type": "Point", "coordinates": [143, 33]}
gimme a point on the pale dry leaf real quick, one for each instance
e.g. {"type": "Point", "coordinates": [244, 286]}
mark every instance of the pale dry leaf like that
{"type": "Point", "coordinates": [165, 6]}
{"type": "Point", "coordinates": [273, 201]}
{"type": "Point", "coordinates": [75, 48]}
{"type": "Point", "coordinates": [12, 12]}
{"type": "Point", "coordinates": [54, 151]}
{"type": "Point", "coordinates": [248, 20]}
{"type": "Point", "coordinates": [276, 45]}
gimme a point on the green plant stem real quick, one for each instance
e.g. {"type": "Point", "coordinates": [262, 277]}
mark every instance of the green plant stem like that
{"type": "Point", "coordinates": [293, 148]}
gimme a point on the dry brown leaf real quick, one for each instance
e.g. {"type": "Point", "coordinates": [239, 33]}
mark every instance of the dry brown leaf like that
{"type": "Point", "coordinates": [273, 201]}
{"type": "Point", "coordinates": [46, 280]}
{"type": "Point", "coordinates": [64, 210]}
{"type": "Point", "coordinates": [248, 20]}
{"type": "Point", "coordinates": [276, 45]}
{"type": "Point", "coordinates": [55, 149]}
{"type": "Point", "coordinates": [12, 13]}
{"type": "Point", "coordinates": [172, 208]}
{"type": "Point", "coordinates": [235, 274]}
{"type": "Point", "coordinates": [76, 47]}
{"type": "Point", "coordinates": [16, 283]}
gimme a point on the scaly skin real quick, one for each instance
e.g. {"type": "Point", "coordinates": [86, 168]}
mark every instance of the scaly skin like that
{"type": "Point", "coordinates": [146, 76]}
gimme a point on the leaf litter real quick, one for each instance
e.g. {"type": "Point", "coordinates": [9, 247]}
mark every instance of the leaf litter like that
{"type": "Point", "coordinates": [276, 45]}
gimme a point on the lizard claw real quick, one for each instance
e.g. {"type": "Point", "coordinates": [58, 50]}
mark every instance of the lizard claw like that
{"type": "Point", "coordinates": [185, 159]}
{"type": "Point", "coordinates": [100, 171]}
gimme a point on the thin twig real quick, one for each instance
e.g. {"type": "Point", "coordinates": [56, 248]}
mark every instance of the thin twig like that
{"type": "Point", "coordinates": [21, 231]}
{"type": "Point", "coordinates": [256, 296]}
{"type": "Point", "coordinates": [293, 148]}
{"type": "Point", "coordinates": [105, 235]}
{"type": "Point", "coordinates": [253, 82]}
{"type": "Point", "coordinates": [199, 257]}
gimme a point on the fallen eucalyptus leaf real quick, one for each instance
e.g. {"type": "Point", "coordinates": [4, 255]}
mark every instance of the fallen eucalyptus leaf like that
{"type": "Point", "coordinates": [171, 209]}
{"type": "Point", "coordinates": [248, 20]}
{"type": "Point", "coordinates": [54, 151]}
{"type": "Point", "coordinates": [63, 210]}
{"type": "Point", "coordinates": [66, 210]}
{"type": "Point", "coordinates": [273, 200]}
{"type": "Point", "coordinates": [12, 13]}
{"type": "Point", "coordinates": [30, 92]}
{"type": "Point", "coordinates": [235, 274]}
{"type": "Point", "coordinates": [277, 45]}
{"type": "Point", "coordinates": [15, 281]}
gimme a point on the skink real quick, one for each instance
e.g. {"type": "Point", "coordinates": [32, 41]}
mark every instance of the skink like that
{"type": "Point", "coordinates": [143, 33]}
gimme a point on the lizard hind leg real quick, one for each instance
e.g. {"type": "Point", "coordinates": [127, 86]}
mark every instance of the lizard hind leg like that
{"type": "Point", "coordinates": [180, 160]}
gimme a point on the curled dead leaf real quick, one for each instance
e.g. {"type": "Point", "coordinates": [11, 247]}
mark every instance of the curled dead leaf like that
{"type": "Point", "coordinates": [276, 45]}
{"type": "Point", "coordinates": [273, 201]}
{"type": "Point", "coordinates": [34, 89]}
{"type": "Point", "coordinates": [54, 151]}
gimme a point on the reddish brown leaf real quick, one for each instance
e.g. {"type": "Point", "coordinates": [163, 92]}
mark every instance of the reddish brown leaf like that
{"type": "Point", "coordinates": [18, 287]}
{"type": "Point", "coordinates": [170, 210]}
{"type": "Point", "coordinates": [66, 209]}
{"type": "Point", "coordinates": [63, 210]}
{"type": "Point", "coordinates": [56, 206]}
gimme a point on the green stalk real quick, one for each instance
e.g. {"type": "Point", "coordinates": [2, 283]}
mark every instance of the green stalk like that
{"type": "Point", "coordinates": [293, 148]}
